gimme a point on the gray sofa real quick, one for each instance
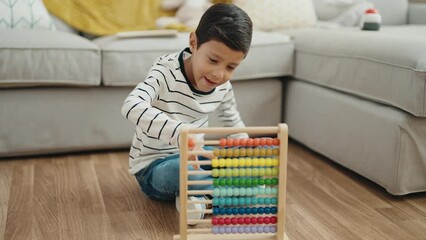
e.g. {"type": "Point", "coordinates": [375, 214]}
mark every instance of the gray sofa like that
{"type": "Point", "coordinates": [356, 97]}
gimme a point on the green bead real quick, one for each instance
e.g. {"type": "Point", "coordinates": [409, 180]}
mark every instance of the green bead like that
{"type": "Point", "coordinates": [274, 181]}
{"type": "Point", "coordinates": [249, 191]}
{"type": "Point", "coordinates": [215, 182]}
{"type": "Point", "coordinates": [261, 191]}
{"type": "Point", "coordinates": [242, 182]}
{"type": "Point", "coordinates": [268, 191]}
{"type": "Point", "coordinates": [222, 182]}
{"type": "Point", "coordinates": [268, 181]}
{"type": "Point", "coordinates": [242, 191]}
{"type": "Point", "coordinates": [261, 181]}
{"type": "Point", "coordinates": [274, 191]}
{"type": "Point", "coordinates": [255, 191]}
{"type": "Point", "coordinates": [235, 182]}
{"type": "Point", "coordinates": [255, 181]}
{"type": "Point", "coordinates": [249, 182]}
{"type": "Point", "coordinates": [229, 192]}
{"type": "Point", "coordinates": [236, 192]}
{"type": "Point", "coordinates": [216, 192]}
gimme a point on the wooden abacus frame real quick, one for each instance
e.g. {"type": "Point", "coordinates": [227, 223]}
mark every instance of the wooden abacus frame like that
{"type": "Point", "coordinates": [198, 234]}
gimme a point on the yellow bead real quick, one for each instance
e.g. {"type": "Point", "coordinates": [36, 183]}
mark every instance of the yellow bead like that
{"type": "Point", "coordinates": [249, 172]}
{"type": "Point", "coordinates": [229, 152]}
{"type": "Point", "coordinates": [249, 152]}
{"type": "Point", "coordinates": [242, 162]}
{"type": "Point", "coordinates": [261, 162]}
{"type": "Point", "coordinates": [262, 172]}
{"type": "Point", "coordinates": [223, 152]}
{"type": "Point", "coordinates": [275, 162]}
{"type": "Point", "coordinates": [256, 152]}
{"type": "Point", "coordinates": [255, 162]}
{"type": "Point", "coordinates": [222, 162]}
{"type": "Point", "coordinates": [236, 152]}
{"type": "Point", "coordinates": [275, 152]}
{"type": "Point", "coordinates": [228, 162]}
{"type": "Point", "coordinates": [215, 162]}
{"type": "Point", "coordinates": [262, 152]}
{"type": "Point", "coordinates": [274, 171]}
{"type": "Point", "coordinates": [216, 152]}
{"type": "Point", "coordinates": [229, 172]}
{"type": "Point", "coordinates": [268, 172]}
{"type": "Point", "coordinates": [243, 152]}
{"type": "Point", "coordinates": [255, 172]}
{"type": "Point", "coordinates": [235, 172]}
{"type": "Point", "coordinates": [222, 172]}
{"type": "Point", "coordinates": [248, 162]}
{"type": "Point", "coordinates": [235, 162]}
{"type": "Point", "coordinates": [269, 152]}
{"type": "Point", "coordinates": [268, 162]}
{"type": "Point", "coordinates": [242, 172]}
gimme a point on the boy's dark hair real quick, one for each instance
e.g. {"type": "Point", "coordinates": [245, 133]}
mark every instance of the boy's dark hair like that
{"type": "Point", "coordinates": [226, 23]}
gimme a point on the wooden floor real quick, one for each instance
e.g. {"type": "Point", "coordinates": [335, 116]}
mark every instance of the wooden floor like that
{"type": "Point", "coordinates": [91, 196]}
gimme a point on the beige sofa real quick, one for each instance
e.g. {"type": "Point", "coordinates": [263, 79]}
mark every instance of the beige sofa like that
{"type": "Point", "coordinates": [356, 97]}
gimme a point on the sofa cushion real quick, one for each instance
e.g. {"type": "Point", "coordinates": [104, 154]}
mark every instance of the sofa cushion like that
{"type": "Point", "coordinates": [388, 66]}
{"type": "Point", "coordinates": [37, 57]}
{"type": "Point", "coordinates": [126, 62]}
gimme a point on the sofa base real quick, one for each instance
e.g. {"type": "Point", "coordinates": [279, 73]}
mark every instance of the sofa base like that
{"type": "Point", "coordinates": [56, 120]}
{"type": "Point", "coordinates": [381, 143]}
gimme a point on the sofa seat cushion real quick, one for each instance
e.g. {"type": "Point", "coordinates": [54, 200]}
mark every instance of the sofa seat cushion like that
{"type": "Point", "coordinates": [386, 66]}
{"type": "Point", "coordinates": [126, 62]}
{"type": "Point", "coordinates": [40, 57]}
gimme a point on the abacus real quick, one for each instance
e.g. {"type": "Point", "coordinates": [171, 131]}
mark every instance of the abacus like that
{"type": "Point", "coordinates": [248, 179]}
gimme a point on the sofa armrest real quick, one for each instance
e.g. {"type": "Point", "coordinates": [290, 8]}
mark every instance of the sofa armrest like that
{"type": "Point", "coordinates": [417, 13]}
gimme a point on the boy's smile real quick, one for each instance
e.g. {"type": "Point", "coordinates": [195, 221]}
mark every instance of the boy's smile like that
{"type": "Point", "coordinates": [210, 65]}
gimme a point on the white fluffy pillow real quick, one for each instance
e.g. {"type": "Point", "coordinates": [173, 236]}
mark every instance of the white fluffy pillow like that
{"type": "Point", "coordinates": [30, 14]}
{"type": "Point", "coordinates": [342, 12]}
{"type": "Point", "coordinates": [277, 14]}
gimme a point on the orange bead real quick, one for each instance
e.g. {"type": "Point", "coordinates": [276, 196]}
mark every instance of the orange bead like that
{"type": "Point", "coordinates": [262, 141]}
{"type": "Point", "coordinates": [191, 143]}
{"type": "Point", "coordinates": [243, 142]}
{"type": "Point", "coordinates": [229, 142]}
{"type": "Point", "coordinates": [250, 142]}
{"type": "Point", "coordinates": [222, 142]}
{"type": "Point", "coordinates": [269, 141]}
{"type": "Point", "coordinates": [236, 142]}
{"type": "Point", "coordinates": [256, 142]}
{"type": "Point", "coordinates": [275, 142]}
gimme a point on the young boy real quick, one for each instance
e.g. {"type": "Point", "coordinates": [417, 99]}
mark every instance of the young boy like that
{"type": "Point", "coordinates": [182, 89]}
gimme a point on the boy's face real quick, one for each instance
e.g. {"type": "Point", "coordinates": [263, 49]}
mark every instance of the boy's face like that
{"type": "Point", "coordinates": [212, 64]}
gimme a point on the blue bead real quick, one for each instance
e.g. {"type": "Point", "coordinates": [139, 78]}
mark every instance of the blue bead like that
{"type": "Point", "coordinates": [254, 210]}
{"type": "Point", "coordinates": [234, 229]}
{"type": "Point", "coordinates": [222, 211]}
{"type": "Point", "coordinates": [215, 230]}
{"type": "Point", "coordinates": [228, 211]}
{"type": "Point", "coordinates": [248, 201]}
{"type": "Point", "coordinates": [235, 201]}
{"type": "Point", "coordinates": [267, 210]}
{"type": "Point", "coordinates": [241, 211]}
{"type": "Point", "coordinates": [235, 211]}
{"type": "Point", "coordinates": [274, 210]}
{"type": "Point", "coordinates": [247, 210]}
{"type": "Point", "coordinates": [221, 202]}
{"type": "Point", "coordinates": [215, 201]}
{"type": "Point", "coordinates": [253, 229]}
{"type": "Point", "coordinates": [228, 229]}
{"type": "Point", "coordinates": [274, 200]}
{"type": "Point", "coordinates": [215, 211]}
{"type": "Point", "coordinates": [254, 201]}
{"type": "Point", "coordinates": [228, 201]}
{"type": "Point", "coordinates": [241, 201]}
{"type": "Point", "coordinates": [241, 229]}
{"type": "Point", "coordinates": [221, 230]}
{"type": "Point", "coordinates": [261, 210]}
{"type": "Point", "coordinates": [261, 201]}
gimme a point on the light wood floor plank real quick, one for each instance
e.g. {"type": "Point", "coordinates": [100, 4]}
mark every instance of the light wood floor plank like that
{"type": "Point", "coordinates": [92, 196]}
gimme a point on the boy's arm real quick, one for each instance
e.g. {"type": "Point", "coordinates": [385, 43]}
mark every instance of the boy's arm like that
{"type": "Point", "coordinates": [229, 115]}
{"type": "Point", "coordinates": [139, 110]}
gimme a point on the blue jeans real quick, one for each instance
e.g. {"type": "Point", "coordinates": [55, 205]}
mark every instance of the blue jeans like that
{"type": "Point", "coordinates": [160, 179]}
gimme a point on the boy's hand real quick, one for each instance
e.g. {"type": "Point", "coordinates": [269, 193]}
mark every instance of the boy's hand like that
{"type": "Point", "coordinates": [194, 146]}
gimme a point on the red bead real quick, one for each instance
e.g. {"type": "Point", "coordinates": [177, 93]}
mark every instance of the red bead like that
{"type": "Point", "coordinates": [269, 141]}
{"type": "Point", "coordinates": [273, 219]}
{"type": "Point", "coordinates": [256, 142]}
{"type": "Point", "coordinates": [227, 221]}
{"type": "Point", "coordinates": [267, 220]}
{"type": "Point", "coordinates": [214, 221]}
{"type": "Point", "coordinates": [262, 141]}
{"type": "Point", "coordinates": [240, 220]}
{"type": "Point", "coordinates": [247, 220]}
{"type": "Point", "coordinates": [234, 221]}
{"type": "Point", "coordinates": [221, 221]}
{"type": "Point", "coordinates": [222, 142]}
{"type": "Point", "coordinates": [260, 220]}
{"type": "Point", "coordinates": [253, 220]}
{"type": "Point", "coordinates": [191, 143]}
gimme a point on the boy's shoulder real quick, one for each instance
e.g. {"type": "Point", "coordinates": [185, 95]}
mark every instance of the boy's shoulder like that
{"type": "Point", "coordinates": [170, 60]}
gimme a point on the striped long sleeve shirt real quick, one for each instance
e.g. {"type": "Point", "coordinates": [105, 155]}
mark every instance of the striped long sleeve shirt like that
{"type": "Point", "coordinates": [166, 101]}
